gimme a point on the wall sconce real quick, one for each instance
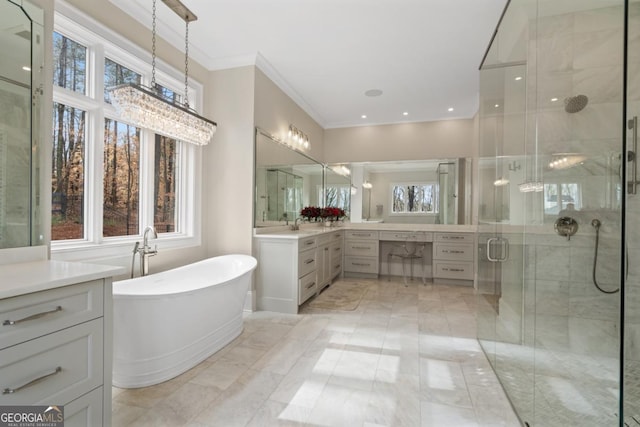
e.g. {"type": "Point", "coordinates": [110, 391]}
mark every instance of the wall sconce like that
{"type": "Point", "coordinates": [298, 138]}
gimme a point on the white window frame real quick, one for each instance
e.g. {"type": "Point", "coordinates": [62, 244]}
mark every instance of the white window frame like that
{"type": "Point", "coordinates": [102, 42]}
{"type": "Point", "coordinates": [414, 183]}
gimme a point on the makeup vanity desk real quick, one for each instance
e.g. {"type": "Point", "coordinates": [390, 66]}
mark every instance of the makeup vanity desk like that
{"type": "Point", "coordinates": [295, 265]}
{"type": "Point", "coordinates": [449, 254]}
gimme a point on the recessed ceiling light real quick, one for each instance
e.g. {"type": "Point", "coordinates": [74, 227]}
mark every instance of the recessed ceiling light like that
{"type": "Point", "coordinates": [450, 109]}
{"type": "Point", "coordinates": [26, 68]}
{"type": "Point", "coordinates": [497, 105]}
{"type": "Point", "coordinates": [373, 92]}
{"type": "Point", "coordinates": [406, 113]}
{"type": "Point", "coordinates": [364, 116]}
{"type": "Point", "coordinates": [554, 99]}
{"type": "Point", "coordinates": [518, 78]}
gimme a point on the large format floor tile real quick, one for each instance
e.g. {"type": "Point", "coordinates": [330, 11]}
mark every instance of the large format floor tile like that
{"type": "Point", "coordinates": [406, 356]}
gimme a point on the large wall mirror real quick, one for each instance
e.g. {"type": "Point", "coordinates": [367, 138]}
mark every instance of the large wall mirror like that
{"type": "Point", "coordinates": [21, 82]}
{"type": "Point", "coordinates": [434, 191]}
{"type": "Point", "coordinates": [286, 180]}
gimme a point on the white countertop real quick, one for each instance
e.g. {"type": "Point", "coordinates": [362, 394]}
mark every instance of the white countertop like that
{"type": "Point", "coordinates": [27, 277]}
{"type": "Point", "coordinates": [306, 230]}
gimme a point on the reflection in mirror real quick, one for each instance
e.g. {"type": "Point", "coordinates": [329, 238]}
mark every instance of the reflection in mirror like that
{"type": "Point", "coordinates": [413, 192]}
{"type": "Point", "coordinates": [21, 41]}
{"type": "Point", "coordinates": [563, 193]}
{"type": "Point", "coordinates": [337, 187]}
{"type": "Point", "coordinates": [286, 181]}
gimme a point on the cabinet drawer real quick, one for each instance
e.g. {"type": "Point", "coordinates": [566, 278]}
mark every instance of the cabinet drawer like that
{"type": "Point", "coordinates": [401, 236]}
{"type": "Point", "coordinates": [307, 287]}
{"type": "Point", "coordinates": [361, 265]}
{"type": "Point", "coordinates": [336, 267]}
{"type": "Point", "coordinates": [306, 262]}
{"type": "Point", "coordinates": [307, 243]}
{"type": "Point", "coordinates": [336, 251]}
{"type": "Point", "coordinates": [454, 237]}
{"type": "Point", "coordinates": [453, 252]}
{"type": "Point", "coordinates": [85, 410]}
{"type": "Point", "coordinates": [360, 235]}
{"type": "Point", "coordinates": [68, 364]}
{"type": "Point", "coordinates": [453, 270]}
{"type": "Point", "coordinates": [361, 247]}
{"type": "Point", "coordinates": [33, 315]}
{"type": "Point", "coordinates": [334, 236]}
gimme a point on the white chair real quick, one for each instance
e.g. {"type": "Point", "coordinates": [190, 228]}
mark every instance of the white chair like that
{"type": "Point", "coordinates": [412, 249]}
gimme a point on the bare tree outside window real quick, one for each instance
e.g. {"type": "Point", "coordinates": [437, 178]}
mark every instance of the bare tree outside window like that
{"type": "Point", "coordinates": [70, 64]}
{"type": "Point", "coordinates": [67, 173]}
{"type": "Point", "coordinates": [116, 74]}
{"type": "Point", "coordinates": [164, 188]}
{"type": "Point", "coordinates": [414, 198]}
{"type": "Point", "coordinates": [121, 179]}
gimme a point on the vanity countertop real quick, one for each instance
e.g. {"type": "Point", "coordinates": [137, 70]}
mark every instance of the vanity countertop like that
{"type": "Point", "coordinates": [27, 277]}
{"type": "Point", "coordinates": [307, 230]}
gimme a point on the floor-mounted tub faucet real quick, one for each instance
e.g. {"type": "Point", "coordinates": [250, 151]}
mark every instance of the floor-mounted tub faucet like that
{"type": "Point", "coordinates": [145, 251]}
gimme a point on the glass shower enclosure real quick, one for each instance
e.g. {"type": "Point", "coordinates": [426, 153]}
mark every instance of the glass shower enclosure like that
{"type": "Point", "coordinates": [559, 217]}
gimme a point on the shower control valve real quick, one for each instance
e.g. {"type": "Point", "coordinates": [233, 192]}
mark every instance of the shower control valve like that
{"type": "Point", "coordinates": [566, 226]}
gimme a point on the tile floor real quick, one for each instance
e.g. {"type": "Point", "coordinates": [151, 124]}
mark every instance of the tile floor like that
{"type": "Point", "coordinates": [407, 356]}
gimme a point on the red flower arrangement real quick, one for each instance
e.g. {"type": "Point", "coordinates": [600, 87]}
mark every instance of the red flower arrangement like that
{"type": "Point", "coordinates": [314, 213]}
{"type": "Point", "coordinates": [332, 213]}
{"type": "Point", "coordinates": [310, 213]}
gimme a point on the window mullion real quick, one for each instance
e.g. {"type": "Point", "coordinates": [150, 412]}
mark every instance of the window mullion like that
{"type": "Point", "coordinates": [146, 202]}
{"type": "Point", "coordinates": [94, 217]}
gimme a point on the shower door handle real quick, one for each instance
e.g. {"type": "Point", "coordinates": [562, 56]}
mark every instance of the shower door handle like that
{"type": "Point", "coordinates": [489, 257]}
{"type": "Point", "coordinates": [504, 246]}
{"type": "Point", "coordinates": [633, 185]}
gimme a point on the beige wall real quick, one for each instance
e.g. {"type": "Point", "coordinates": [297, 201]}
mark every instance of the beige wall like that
{"type": "Point", "coordinates": [228, 162]}
{"type": "Point", "coordinates": [406, 141]}
{"type": "Point", "coordinates": [275, 111]}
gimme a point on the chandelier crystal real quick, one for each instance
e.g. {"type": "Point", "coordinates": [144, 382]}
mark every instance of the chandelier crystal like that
{"type": "Point", "coordinates": [146, 108]}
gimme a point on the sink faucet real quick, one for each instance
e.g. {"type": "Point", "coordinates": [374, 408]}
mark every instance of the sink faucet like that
{"type": "Point", "coordinates": [145, 251]}
{"type": "Point", "coordinates": [285, 218]}
{"type": "Point", "coordinates": [295, 225]}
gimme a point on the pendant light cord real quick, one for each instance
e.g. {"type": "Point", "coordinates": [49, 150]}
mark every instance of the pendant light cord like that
{"type": "Point", "coordinates": [186, 64]}
{"type": "Point", "coordinates": [153, 47]}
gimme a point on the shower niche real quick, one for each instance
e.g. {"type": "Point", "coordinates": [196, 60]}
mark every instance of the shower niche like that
{"type": "Point", "coordinates": [21, 86]}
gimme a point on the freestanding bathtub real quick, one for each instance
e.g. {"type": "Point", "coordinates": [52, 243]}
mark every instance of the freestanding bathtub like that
{"type": "Point", "coordinates": [166, 323]}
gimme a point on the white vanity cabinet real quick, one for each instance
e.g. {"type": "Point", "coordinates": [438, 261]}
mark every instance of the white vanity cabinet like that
{"type": "Point", "coordinates": [361, 249]}
{"type": "Point", "coordinates": [453, 256]}
{"type": "Point", "coordinates": [293, 267]}
{"type": "Point", "coordinates": [56, 338]}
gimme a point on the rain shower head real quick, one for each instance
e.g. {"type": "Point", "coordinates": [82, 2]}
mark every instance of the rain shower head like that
{"type": "Point", "coordinates": [573, 104]}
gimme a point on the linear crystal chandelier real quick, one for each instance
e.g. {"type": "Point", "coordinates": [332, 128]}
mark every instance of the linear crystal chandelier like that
{"type": "Point", "coordinates": [145, 107]}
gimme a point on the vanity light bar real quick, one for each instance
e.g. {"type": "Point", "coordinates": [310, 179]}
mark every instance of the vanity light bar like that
{"type": "Point", "coordinates": [298, 138]}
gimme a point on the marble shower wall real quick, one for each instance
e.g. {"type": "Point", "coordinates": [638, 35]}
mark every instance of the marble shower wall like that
{"type": "Point", "coordinates": [15, 166]}
{"type": "Point", "coordinates": [573, 54]}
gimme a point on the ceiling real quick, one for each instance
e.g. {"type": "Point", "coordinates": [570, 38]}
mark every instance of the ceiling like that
{"type": "Point", "coordinates": [325, 54]}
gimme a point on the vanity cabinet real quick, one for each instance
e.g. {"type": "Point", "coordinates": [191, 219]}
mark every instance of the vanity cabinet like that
{"type": "Point", "coordinates": [329, 256]}
{"type": "Point", "coordinates": [56, 344]}
{"type": "Point", "coordinates": [361, 250]}
{"type": "Point", "coordinates": [453, 256]}
{"type": "Point", "coordinates": [293, 267]}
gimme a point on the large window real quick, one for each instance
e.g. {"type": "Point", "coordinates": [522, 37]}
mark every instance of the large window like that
{"type": "Point", "coordinates": [111, 179]}
{"type": "Point", "coordinates": [562, 196]}
{"type": "Point", "coordinates": [414, 198]}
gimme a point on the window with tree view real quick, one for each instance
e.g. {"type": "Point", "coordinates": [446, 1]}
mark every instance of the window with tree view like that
{"type": "Point", "coordinates": [421, 198]}
{"type": "Point", "coordinates": [109, 178]}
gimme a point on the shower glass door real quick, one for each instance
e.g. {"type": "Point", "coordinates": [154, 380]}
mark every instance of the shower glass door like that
{"type": "Point", "coordinates": [631, 364]}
